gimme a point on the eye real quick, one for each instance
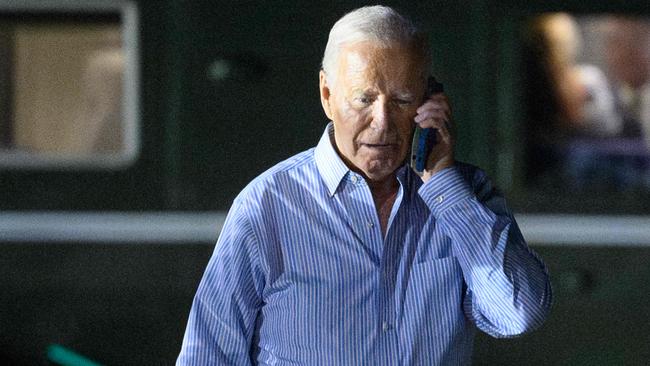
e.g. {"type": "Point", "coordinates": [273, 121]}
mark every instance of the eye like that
{"type": "Point", "coordinates": [363, 100]}
{"type": "Point", "coordinates": [403, 102]}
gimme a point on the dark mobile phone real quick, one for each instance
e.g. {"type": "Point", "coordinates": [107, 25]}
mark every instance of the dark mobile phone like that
{"type": "Point", "coordinates": [424, 138]}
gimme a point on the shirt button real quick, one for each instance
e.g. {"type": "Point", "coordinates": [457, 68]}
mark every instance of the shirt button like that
{"type": "Point", "coordinates": [355, 179]}
{"type": "Point", "coordinates": [386, 327]}
{"type": "Point", "coordinates": [440, 198]}
{"type": "Point", "coordinates": [370, 224]}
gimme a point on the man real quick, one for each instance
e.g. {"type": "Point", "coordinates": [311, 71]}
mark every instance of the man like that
{"type": "Point", "coordinates": [627, 56]}
{"type": "Point", "coordinates": [343, 255]}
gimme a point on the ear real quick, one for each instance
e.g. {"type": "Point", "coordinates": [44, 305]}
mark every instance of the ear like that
{"type": "Point", "coordinates": [325, 94]}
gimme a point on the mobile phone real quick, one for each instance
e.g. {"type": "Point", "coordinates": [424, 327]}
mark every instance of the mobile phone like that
{"type": "Point", "coordinates": [424, 138]}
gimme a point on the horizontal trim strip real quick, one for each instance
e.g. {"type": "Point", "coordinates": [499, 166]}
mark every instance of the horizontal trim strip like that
{"type": "Point", "coordinates": [581, 230]}
{"type": "Point", "coordinates": [113, 227]}
{"type": "Point", "coordinates": [204, 227]}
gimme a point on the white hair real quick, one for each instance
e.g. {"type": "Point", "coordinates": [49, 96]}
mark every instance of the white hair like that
{"type": "Point", "coordinates": [379, 24]}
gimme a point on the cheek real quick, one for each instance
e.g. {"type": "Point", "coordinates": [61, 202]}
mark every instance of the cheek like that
{"type": "Point", "coordinates": [351, 115]}
{"type": "Point", "coordinates": [349, 125]}
{"type": "Point", "coordinates": [406, 124]}
{"type": "Point", "coordinates": [355, 120]}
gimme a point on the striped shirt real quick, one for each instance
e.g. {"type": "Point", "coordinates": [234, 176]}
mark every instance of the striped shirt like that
{"type": "Point", "coordinates": [302, 275]}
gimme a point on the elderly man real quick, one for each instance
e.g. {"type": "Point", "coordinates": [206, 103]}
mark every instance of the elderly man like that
{"type": "Point", "coordinates": [343, 255]}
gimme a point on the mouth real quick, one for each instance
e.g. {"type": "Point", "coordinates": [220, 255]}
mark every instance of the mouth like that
{"type": "Point", "coordinates": [380, 146]}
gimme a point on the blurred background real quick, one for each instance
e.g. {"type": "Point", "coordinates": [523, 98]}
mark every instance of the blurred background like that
{"type": "Point", "coordinates": [128, 127]}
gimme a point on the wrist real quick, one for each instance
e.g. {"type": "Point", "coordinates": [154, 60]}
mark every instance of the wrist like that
{"type": "Point", "coordinates": [437, 167]}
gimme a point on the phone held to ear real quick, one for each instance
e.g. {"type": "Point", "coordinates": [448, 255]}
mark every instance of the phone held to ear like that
{"type": "Point", "coordinates": [424, 138]}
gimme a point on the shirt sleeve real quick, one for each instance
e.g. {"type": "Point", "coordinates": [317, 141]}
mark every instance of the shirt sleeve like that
{"type": "Point", "coordinates": [508, 288]}
{"type": "Point", "coordinates": [224, 312]}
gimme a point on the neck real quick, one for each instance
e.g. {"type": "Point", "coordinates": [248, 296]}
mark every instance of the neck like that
{"type": "Point", "coordinates": [384, 193]}
{"type": "Point", "coordinates": [384, 186]}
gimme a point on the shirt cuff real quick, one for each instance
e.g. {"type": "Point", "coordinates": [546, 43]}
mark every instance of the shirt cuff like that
{"type": "Point", "coordinates": [444, 190]}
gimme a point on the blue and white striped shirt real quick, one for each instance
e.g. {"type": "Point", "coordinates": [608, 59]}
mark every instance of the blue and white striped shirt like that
{"type": "Point", "coordinates": [301, 274]}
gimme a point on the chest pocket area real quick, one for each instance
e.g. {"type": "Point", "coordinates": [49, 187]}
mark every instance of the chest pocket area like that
{"type": "Point", "coordinates": [433, 301]}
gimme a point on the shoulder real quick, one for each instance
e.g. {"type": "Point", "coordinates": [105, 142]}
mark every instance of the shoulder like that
{"type": "Point", "coordinates": [279, 179]}
{"type": "Point", "coordinates": [484, 190]}
{"type": "Point", "coordinates": [471, 173]}
{"type": "Point", "coordinates": [478, 179]}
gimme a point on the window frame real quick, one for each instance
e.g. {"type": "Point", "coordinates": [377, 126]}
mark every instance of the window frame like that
{"type": "Point", "coordinates": [128, 13]}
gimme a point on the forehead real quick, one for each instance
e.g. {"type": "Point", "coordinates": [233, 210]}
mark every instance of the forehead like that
{"type": "Point", "coordinates": [370, 62]}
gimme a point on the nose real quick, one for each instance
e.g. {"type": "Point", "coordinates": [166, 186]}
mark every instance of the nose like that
{"type": "Point", "coordinates": [380, 115]}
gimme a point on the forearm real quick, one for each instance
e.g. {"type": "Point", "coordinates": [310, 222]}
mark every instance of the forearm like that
{"type": "Point", "coordinates": [508, 288]}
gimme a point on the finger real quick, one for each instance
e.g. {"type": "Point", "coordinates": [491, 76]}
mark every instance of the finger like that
{"type": "Point", "coordinates": [440, 100]}
{"type": "Point", "coordinates": [432, 105]}
{"type": "Point", "coordinates": [436, 114]}
{"type": "Point", "coordinates": [434, 121]}
{"type": "Point", "coordinates": [439, 123]}
{"type": "Point", "coordinates": [433, 110]}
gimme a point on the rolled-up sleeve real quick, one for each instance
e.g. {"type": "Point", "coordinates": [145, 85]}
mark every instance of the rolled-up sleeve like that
{"type": "Point", "coordinates": [508, 288]}
{"type": "Point", "coordinates": [223, 315]}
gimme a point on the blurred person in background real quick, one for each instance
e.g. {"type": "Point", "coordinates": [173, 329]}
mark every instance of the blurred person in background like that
{"type": "Point", "coordinates": [586, 125]}
{"type": "Point", "coordinates": [627, 42]}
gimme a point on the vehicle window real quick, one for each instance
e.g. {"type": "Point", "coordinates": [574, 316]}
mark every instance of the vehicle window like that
{"type": "Point", "coordinates": [64, 91]}
{"type": "Point", "coordinates": [587, 112]}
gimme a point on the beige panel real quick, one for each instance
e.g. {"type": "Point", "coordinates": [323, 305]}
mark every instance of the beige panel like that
{"type": "Point", "coordinates": [68, 87]}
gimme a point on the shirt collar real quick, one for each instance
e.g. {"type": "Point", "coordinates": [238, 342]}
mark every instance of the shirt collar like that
{"type": "Point", "coordinates": [330, 166]}
{"type": "Point", "coordinates": [402, 174]}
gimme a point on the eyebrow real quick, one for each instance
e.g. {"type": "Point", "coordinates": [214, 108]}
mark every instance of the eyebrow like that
{"type": "Point", "coordinates": [372, 92]}
{"type": "Point", "coordinates": [364, 92]}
